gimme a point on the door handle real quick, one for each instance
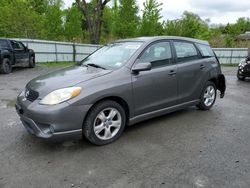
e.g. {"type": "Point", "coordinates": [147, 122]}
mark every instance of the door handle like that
{"type": "Point", "coordinates": [172, 72]}
{"type": "Point", "coordinates": [202, 66]}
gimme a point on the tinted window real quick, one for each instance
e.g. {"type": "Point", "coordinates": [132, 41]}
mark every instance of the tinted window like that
{"type": "Point", "coordinates": [17, 45]}
{"type": "Point", "coordinates": [21, 46]}
{"type": "Point", "coordinates": [159, 54]}
{"type": "Point", "coordinates": [185, 50]}
{"type": "Point", "coordinates": [3, 44]}
{"type": "Point", "coordinates": [205, 50]}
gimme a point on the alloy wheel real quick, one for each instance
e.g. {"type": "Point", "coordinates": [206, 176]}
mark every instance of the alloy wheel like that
{"type": "Point", "coordinates": [209, 95]}
{"type": "Point", "coordinates": [107, 123]}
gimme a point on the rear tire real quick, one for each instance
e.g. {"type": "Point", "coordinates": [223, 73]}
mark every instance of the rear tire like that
{"type": "Point", "coordinates": [242, 78]}
{"type": "Point", "coordinates": [104, 123]}
{"type": "Point", "coordinates": [208, 96]}
{"type": "Point", "coordinates": [5, 66]}
{"type": "Point", "coordinates": [32, 62]}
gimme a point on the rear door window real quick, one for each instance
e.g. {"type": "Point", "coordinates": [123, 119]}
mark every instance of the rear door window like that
{"type": "Point", "coordinates": [185, 51]}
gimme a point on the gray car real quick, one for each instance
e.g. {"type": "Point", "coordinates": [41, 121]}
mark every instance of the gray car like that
{"type": "Point", "coordinates": [120, 84]}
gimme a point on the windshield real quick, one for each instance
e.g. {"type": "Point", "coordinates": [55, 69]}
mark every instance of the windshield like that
{"type": "Point", "coordinates": [113, 56]}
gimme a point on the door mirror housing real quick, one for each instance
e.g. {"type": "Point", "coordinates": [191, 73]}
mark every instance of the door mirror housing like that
{"type": "Point", "coordinates": [141, 67]}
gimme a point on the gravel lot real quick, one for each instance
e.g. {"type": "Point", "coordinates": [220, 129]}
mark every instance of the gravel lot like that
{"type": "Point", "coordinates": [188, 148]}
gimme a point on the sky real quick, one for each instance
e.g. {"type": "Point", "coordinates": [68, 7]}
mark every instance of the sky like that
{"type": "Point", "coordinates": [218, 11]}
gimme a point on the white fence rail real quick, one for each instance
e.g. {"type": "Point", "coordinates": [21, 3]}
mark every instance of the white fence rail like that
{"type": "Point", "coordinates": [52, 51]}
{"type": "Point", "coordinates": [231, 55]}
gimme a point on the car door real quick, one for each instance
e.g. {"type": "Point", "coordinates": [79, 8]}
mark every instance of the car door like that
{"type": "Point", "coordinates": [191, 71]}
{"type": "Point", "coordinates": [157, 88]}
{"type": "Point", "coordinates": [25, 52]}
{"type": "Point", "coordinates": [19, 51]}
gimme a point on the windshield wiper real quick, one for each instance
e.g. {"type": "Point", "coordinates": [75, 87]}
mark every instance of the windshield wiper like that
{"type": "Point", "coordinates": [95, 65]}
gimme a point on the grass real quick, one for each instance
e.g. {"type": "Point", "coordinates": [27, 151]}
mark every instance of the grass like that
{"type": "Point", "coordinates": [56, 64]}
{"type": "Point", "coordinates": [229, 65]}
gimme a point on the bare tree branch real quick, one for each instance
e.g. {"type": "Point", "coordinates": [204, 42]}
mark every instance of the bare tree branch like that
{"type": "Point", "coordinates": [93, 18]}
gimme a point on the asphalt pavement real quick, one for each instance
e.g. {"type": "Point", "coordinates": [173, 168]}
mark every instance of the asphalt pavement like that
{"type": "Point", "coordinates": [185, 149]}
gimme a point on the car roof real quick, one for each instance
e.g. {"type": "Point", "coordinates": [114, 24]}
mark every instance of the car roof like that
{"type": "Point", "coordinates": [155, 38]}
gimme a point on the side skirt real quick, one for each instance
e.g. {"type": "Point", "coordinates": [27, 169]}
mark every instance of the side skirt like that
{"type": "Point", "coordinates": [160, 112]}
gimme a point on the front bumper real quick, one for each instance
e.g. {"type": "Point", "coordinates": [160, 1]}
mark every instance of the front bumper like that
{"type": "Point", "coordinates": [56, 123]}
{"type": "Point", "coordinates": [244, 71]}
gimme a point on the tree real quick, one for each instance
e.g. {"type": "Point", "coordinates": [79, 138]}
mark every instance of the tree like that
{"type": "Point", "coordinates": [72, 25]}
{"type": "Point", "coordinates": [190, 25]}
{"type": "Point", "coordinates": [53, 23]}
{"type": "Point", "coordinates": [40, 6]}
{"type": "Point", "coordinates": [17, 20]}
{"type": "Point", "coordinates": [151, 24]}
{"type": "Point", "coordinates": [93, 14]}
{"type": "Point", "coordinates": [127, 22]}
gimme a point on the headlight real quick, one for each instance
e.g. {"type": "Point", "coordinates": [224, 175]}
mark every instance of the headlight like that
{"type": "Point", "coordinates": [242, 63]}
{"type": "Point", "coordinates": [60, 95]}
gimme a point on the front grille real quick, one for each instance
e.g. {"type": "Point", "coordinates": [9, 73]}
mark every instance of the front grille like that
{"type": "Point", "coordinates": [31, 95]}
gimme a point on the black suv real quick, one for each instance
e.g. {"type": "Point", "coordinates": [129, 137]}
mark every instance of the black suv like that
{"type": "Point", "coordinates": [244, 69]}
{"type": "Point", "coordinates": [13, 52]}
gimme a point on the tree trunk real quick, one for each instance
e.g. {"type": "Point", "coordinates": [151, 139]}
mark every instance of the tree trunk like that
{"type": "Point", "coordinates": [93, 18]}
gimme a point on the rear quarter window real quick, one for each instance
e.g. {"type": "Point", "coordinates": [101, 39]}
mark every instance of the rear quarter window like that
{"type": "Point", "coordinates": [205, 50]}
{"type": "Point", "coordinates": [3, 44]}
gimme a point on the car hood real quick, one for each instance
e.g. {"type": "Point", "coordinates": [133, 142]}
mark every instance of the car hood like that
{"type": "Point", "coordinates": [64, 78]}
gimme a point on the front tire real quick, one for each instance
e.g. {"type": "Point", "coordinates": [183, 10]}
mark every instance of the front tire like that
{"type": "Point", "coordinates": [5, 66]}
{"type": "Point", "coordinates": [208, 96]}
{"type": "Point", "coordinates": [32, 62]}
{"type": "Point", "coordinates": [104, 123]}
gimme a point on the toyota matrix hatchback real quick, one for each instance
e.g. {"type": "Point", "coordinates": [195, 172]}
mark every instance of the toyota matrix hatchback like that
{"type": "Point", "coordinates": [120, 84]}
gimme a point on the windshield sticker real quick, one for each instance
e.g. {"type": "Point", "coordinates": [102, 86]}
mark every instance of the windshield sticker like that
{"type": "Point", "coordinates": [118, 64]}
{"type": "Point", "coordinates": [133, 47]}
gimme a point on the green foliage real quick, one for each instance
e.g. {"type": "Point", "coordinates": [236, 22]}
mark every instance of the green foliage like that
{"type": "Point", "coordinates": [190, 25]}
{"type": "Point", "coordinates": [127, 22]}
{"type": "Point", "coordinates": [18, 20]}
{"type": "Point", "coordinates": [40, 6]}
{"type": "Point", "coordinates": [46, 19]}
{"type": "Point", "coordinates": [151, 24]}
{"type": "Point", "coordinates": [53, 22]}
{"type": "Point", "coordinates": [72, 25]}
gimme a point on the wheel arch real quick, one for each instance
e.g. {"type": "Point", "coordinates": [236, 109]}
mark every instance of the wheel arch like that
{"type": "Point", "coordinates": [117, 99]}
{"type": "Point", "coordinates": [220, 83]}
{"type": "Point", "coordinates": [8, 55]}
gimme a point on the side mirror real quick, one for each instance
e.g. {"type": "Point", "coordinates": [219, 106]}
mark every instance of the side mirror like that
{"type": "Point", "coordinates": [141, 67]}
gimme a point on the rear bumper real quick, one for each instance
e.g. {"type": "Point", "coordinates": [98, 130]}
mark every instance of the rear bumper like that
{"type": "Point", "coordinates": [54, 123]}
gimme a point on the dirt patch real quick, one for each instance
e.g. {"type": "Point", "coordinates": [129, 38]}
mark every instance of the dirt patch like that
{"type": "Point", "coordinates": [8, 103]}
